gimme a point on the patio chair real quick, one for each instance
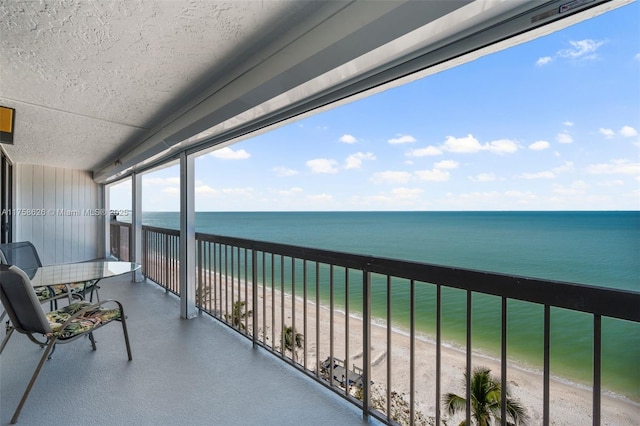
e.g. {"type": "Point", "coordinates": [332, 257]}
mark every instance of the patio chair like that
{"type": "Point", "coordinates": [60, 326]}
{"type": "Point", "coordinates": [24, 255]}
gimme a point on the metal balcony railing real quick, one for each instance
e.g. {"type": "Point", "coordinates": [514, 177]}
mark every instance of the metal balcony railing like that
{"type": "Point", "coordinates": [121, 239]}
{"type": "Point", "coordinates": [314, 309]}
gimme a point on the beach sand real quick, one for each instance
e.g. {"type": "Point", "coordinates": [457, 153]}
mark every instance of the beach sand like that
{"type": "Point", "coordinates": [570, 404]}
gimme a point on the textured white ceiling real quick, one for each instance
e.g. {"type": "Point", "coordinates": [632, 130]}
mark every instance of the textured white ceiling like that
{"type": "Point", "coordinates": [88, 77]}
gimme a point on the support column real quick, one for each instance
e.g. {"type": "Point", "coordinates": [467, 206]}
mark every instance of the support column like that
{"type": "Point", "coordinates": [187, 238]}
{"type": "Point", "coordinates": [136, 224]}
{"type": "Point", "coordinates": [106, 222]}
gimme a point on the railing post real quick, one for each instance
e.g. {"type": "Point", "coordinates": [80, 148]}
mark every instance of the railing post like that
{"type": "Point", "coordinates": [135, 231]}
{"type": "Point", "coordinates": [254, 294]}
{"type": "Point", "coordinates": [366, 341]}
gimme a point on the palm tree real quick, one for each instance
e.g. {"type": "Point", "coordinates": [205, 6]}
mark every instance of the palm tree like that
{"type": "Point", "coordinates": [485, 401]}
{"type": "Point", "coordinates": [292, 340]}
{"type": "Point", "coordinates": [238, 314]}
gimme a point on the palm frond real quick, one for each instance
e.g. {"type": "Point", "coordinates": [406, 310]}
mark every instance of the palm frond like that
{"type": "Point", "coordinates": [454, 403]}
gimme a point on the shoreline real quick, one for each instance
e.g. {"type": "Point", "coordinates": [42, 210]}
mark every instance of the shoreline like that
{"type": "Point", "coordinates": [515, 363]}
{"type": "Point", "coordinates": [570, 402]}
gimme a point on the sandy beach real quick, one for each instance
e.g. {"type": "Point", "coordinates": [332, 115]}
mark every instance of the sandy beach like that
{"type": "Point", "coordinates": [570, 403]}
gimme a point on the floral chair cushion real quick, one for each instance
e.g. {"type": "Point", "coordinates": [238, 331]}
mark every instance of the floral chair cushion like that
{"type": "Point", "coordinates": [82, 287]}
{"type": "Point", "coordinates": [84, 323]}
{"type": "Point", "coordinates": [50, 292]}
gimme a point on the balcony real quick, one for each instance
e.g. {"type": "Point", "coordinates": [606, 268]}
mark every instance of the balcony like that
{"type": "Point", "coordinates": [191, 372]}
{"type": "Point", "coordinates": [329, 299]}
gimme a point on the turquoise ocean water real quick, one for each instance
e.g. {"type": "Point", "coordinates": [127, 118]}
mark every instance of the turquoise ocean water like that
{"type": "Point", "coordinates": [595, 248]}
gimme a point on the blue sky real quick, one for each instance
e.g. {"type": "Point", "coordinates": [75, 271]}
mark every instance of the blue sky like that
{"type": "Point", "coordinates": [552, 124]}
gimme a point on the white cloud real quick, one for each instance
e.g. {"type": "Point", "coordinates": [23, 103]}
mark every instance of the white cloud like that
{"type": "Point", "coordinates": [628, 132]}
{"type": "Point", "coordinates": [564, 138]}
{"type": "Point", "coordinates": [161, 181]}
{"type": "Point", "coordinates": [402, 139]}
{"type": "Point", "coordinates": [615, 167]}
{"type": "Point", "coordinates": [447, 164]}
{"type": "Point", "coordinates": [581, 49]}
{"type": "Point", "coordinates": [205, 190]}
{"type": "Point", "coordinates": [284, 172]}
{"type": "Point", "coordinates": [171, 190]}
{"type": "Point", "coordinates": [607, 133]}
{"type": "Point", "coordinates": [238, 191]}
{"type": "Point", "coordinates": [467, 144]}
{"type": "Point", "coordinates": [483, 177]}
{"type": "Point", "coordinates": [576, 188]}
{"type": "Point", "coordinates": [566, 167]}
{"type": "Point", "coordinates": [354, 161]}
{"type": "Point", "coordinates": [406, 192]}
{"type": "Point", "coordinates": [435, 175]}
{"type": "Point", "coordinates": [539, 175]}
{"type": "Point", "coordinates": [391, 177]}
{"type": "Point", "coordinates": [227, 153]}
{"type": "Point", "coordinates": [544, 60]}
{"type": "Point", "coordinates": [539, 145]}
{"type": "Point", "coordinates": [502, 146]}
{"type": "Point", "coordinates": [348, 139]}
{"type": "Point", "coordinates": [322, 165]}
{"type": "Point", "coordinates": [320, 198]}
{"type": "Point", "coordinates": [423, 152]}
{"type": "Point", "coordinates": [611, 183]}
{"type": "Point", "coordinates": [290, 192]}
{"type": "Point", "coordinates": [637, 57]}
{"type": "Point", "coordinates": [522, 196]}
{"type": "Point", "coordinates": [568, 123]}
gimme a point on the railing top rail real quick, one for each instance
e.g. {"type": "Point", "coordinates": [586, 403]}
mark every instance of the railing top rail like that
{"type": "Point", "coordinates": [174, 232]}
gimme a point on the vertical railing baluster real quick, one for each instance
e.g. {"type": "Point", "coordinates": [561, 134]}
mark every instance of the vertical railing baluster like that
{"type": "Point", "coordinates": [293, 309]}
{"type": "Point", "coordinates": [331, 308]}
{"type": "Point", "coordinates": [282, 346]}
{"type": "Point", "coordinates": [412, 352]}
{"type": "Point", "coordinates": [246, 295]}
{"type": "Point", "coordinates": [167, 271]}
{"type": "Point", "coordinates": [211, 300]}
{"type": "Point", "coordinates": [273, 302]}
{"type": "Point", "coordinates": [438, 351]}
{"type": "Point", "coordinates": [254, 294]}
{"type": "Point", "coordinates": [317, 319]}
{"type": "Point", "coordinates": [547, 367]}
{"type": "Point", "coordinates": [218, 266]}
{"type": "Point", "coordinates": [200, 291]}
{"type": "Point", "coordinates": [304, 313]}
{"type": "Point", "coordinates": [226, 282]}
{"type": "Point", "coordinates": [468, 378]}
{"type": "Point", "coordinates": [597, 368]}
{"type": "Point", "coordinates": [366, 342]}
{"type": "Point", "coordinates": [503, 364]}
{"type": "Point", "coordinates": [389, 347]}
{"type": "Point", "coordinates": [264, 299]}
{"type": "Point", "coordinates": [347, 362]}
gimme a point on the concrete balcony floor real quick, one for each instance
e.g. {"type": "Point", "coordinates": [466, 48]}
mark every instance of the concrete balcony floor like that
{"type": "Point", "coordinates": [184, 372]}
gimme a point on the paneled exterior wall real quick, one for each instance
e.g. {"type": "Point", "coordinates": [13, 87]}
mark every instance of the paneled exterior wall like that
{"type": "Point", "coordinates": [59, 211]}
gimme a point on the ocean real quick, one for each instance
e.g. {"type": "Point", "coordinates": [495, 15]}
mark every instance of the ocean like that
{"type": "Point", "coordinates": [595, 248]}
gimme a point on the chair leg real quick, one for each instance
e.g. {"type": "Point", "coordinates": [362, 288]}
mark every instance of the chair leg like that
{"type": "Point", "coordinates": [93, 341]}
{"type": "Point", "coordinates": [126, 335]}
{"type": "Point", "coordinates": [52, 343]}
{"type": "Point", "coordinates": [10, 331]}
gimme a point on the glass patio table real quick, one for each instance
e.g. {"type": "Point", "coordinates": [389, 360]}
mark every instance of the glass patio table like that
{"type": "Point", "coordinates": [78, 272]}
